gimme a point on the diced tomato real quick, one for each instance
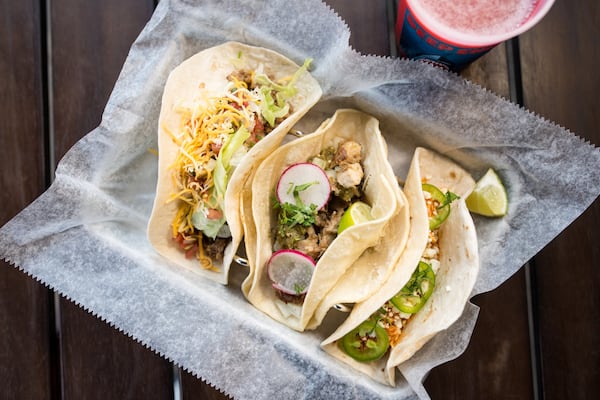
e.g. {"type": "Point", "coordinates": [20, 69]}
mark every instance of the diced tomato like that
{"type": "Point", "coordinates": [191, 252]}
{"type": "Point", "coordinates": [257, 133]}
{"type": "Point", "coordinates": [259, 126]}
{"type": "Point", "coordinates": [214, 214]}
{"type": "Point", "coordinates": [179, 239]}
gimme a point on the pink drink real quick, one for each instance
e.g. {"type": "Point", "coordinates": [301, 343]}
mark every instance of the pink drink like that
{"type": "Point", "coordinates": [480, 17]}
{"type": "Point", "coordinates": [453, 33]}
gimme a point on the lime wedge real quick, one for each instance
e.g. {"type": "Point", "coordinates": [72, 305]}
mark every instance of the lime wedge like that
{"type": "Point", "coordinates": [489, 196]}
{"type": "Point", "coordinates": [357, 213]}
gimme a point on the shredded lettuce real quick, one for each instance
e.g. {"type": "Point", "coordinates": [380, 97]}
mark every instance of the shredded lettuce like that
{"type": "Point", "coordinates": [222, 170]}
{"type": "Point", "coordinates": [277, 107]}
{"type": "Point", "coordinates": [221, 175]}
{"type": "Point", "coordinates": [269, 108]}
{"type": "Point", "coordinates": [209, 227]}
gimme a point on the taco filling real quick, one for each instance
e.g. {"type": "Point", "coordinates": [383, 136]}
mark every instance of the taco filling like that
{"type": "Point", "coordinates": [311, 200]}
{"type": "Point", "coordinates": [213, 136]}
{"type": "Point", "coordinates": [372, 339]}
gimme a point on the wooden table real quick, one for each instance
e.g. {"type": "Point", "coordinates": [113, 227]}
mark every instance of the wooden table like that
{"type": "Point", "coordinates": [537, 334]}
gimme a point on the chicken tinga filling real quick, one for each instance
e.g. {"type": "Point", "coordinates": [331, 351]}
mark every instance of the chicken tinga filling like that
{"type": "Point", "coordinates": [314, 202]}
{"type": "Point", "coordinates": [372, 339]}
{"type": "Point", "coordinates": [213, 137]}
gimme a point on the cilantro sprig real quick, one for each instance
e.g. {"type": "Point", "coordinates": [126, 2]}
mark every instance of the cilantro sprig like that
{"type": "Point", "coordinates": [299, 288]}
{"type": "Point", "coordinates": [291, 215]}
{"type": "Point", "coordinates": [299, 213]}
{"type": "Point", "coordinates": [449, 197]}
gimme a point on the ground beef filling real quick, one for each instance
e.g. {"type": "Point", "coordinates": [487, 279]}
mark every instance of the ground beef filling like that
{"type": "Point", "coordinates": [215, 248]}
{"type": "Point", "coordinates": [315, 239]}
{"type": "Point", "coordinates": [290, 298]}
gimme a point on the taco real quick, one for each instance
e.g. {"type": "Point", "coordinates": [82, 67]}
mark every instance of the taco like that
{"type": "Point", "coordinates": [223, 110]}
{"type": "Point", "coordinates": [431, 284]}
{"type": "Point", "coordinates": [318, 203]}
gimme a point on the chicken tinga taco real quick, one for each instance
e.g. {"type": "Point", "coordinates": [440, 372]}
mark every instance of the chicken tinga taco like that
{"type": "Point", "coordinates": [318, 203]}
{"type": "Point", "coordinates": [431, 284]}
{"type": "Point", "coordinates": [223, 110]}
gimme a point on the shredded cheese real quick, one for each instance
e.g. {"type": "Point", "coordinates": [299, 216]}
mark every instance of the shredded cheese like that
{"type": "Point", "coordinates": [204, 128]}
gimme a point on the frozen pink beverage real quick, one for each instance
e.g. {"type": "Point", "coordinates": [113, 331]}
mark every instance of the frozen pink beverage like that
{"type": "Point", "coordinates": [454, 33]}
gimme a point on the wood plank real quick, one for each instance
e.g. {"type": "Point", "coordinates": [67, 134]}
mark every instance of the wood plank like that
{"type": "Point", "coordinates": [355, 14]}
{"type": "Point", "coordinates": [358, 12]}
{"type": "Point", "coordinates": [369, 15]}
{"type": "Point", "coordinates": [484, 369]}
{"type": "Point", "coordinates": [368, 24]}
{"type": "Point", "coordinates": [90, 41]}
{"type": "Point", "coordinates": [194, 388]}
{"type": "Point", "coordinates": [491, 72]}
{"type": "Point", "coordinates": [102, 363]}
{"type": "Point", "coordinates": [25, 346]}
{"type": "Point", "coordinates": [496, 365]}
{"type": "Point", "coordinates": [26, 357]}
{"type": "Point", "coordinates": [561, 83]}
{"type": "Point", "coordinates": [497, 362]}
{"type": "Point", "coordinates": [21, 107]}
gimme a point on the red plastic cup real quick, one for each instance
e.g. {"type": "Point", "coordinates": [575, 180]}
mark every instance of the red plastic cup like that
{"type": "Point", "coordinates": [457, 32]}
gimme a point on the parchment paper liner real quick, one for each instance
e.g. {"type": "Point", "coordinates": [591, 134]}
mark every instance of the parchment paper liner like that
{"type": "Point", "coordinates": [85, 237]}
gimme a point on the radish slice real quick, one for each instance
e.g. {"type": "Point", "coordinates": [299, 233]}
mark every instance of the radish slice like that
{"type": "Point", "coordinates": [290, 271]}
{"type": "Point", "coordinates": [317, 188]}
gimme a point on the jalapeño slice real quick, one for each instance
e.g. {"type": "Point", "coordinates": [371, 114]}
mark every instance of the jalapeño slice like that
{"type": "Point", "coordinates": [366, 342]}
{"type": "Point", "coordinates": [417, 290]}
{"type": "Point", "coordinates": [443, 210]}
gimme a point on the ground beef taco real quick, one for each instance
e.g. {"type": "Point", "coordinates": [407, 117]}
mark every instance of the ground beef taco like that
{"type": "Point", "coordinates": [430, 285]}
{"type": "Point", "coordinates": [223, 110]}
{"type": "Point", "coordinates": [318, 203]}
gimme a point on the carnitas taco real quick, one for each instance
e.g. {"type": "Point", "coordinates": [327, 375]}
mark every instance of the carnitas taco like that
{"type": "Point", "coordinates": [318, 203]}
{"type": "Point", "coordinates": [430, 286]}
{"type": "Point", "coordinates": [223, 110]}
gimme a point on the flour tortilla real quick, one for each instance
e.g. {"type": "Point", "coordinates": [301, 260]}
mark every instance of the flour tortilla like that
{"type": "Point", "coordinates": [381, 193]}
{"type": "Point", "coordinates": [201, 77]}
{"type": "Point", "coordinates": [459, 265]}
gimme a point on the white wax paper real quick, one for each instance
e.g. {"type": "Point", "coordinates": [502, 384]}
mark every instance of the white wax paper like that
{"type": "Point", "coordinates": [85, 237]}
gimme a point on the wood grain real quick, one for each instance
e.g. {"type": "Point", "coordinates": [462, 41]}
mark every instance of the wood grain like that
{"type": "Point", "coordinates": [499, 350]}
{"type": "Point", "coordinates": [491, 72]}
{"type": "Point", "coordinates": [497, 363]}
{"type": "Point", "coordinates": [102, 363]}
{"type": "Point", "coordinates": [558, 83]}
{"type": "Point", "coordinates": [194, 388]}
{"type": "Point", "coordinates": [25, 343]}
{"type": "Point", "coordinates": [90, 41]}
{"type": "Point", "coordinates": [368, 25]}
{"type": "Point", "coordinates": [26, 358]}
{"type": "Point", "coordinates": [22, 175]}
